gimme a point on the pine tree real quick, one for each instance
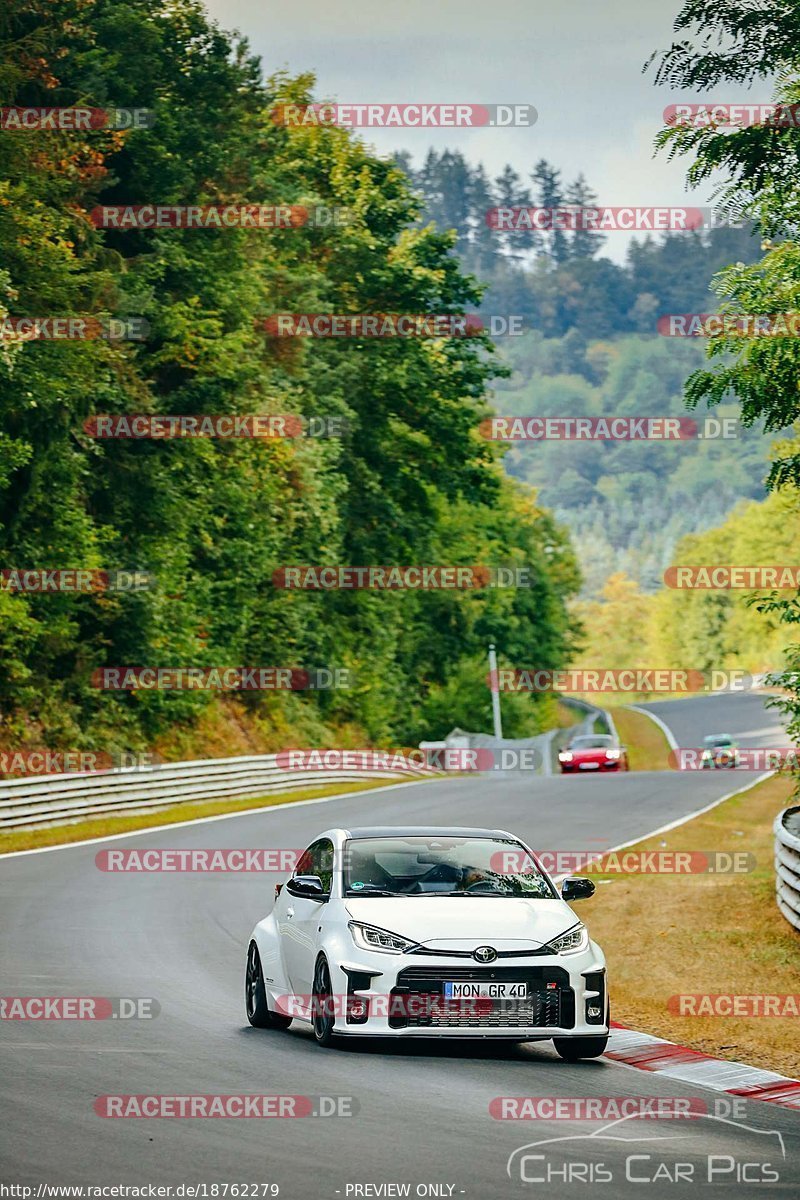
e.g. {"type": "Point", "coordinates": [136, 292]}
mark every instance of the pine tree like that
{"type": "Point", "coordinates": [583, 243]}
{"type": "Point", "coordinates": [550, 196]}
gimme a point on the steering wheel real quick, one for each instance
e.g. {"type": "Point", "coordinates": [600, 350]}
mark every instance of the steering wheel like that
{"type": "Point", "coordinates": [481, 885]}
{"type": "Point", "coordinates": [443, 873]}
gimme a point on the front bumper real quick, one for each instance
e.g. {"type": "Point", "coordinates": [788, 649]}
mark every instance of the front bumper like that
{"type": "Point", "coordinates": [403, 995]}
{"type": "Point", "coordinates": [614, 764]}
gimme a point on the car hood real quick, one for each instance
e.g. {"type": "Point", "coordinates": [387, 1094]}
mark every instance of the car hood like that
{"type": "Point", "coordinates": [469, 920]}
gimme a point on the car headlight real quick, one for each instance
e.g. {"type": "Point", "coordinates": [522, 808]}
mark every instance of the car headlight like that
{"type": "Point", "coordinates": [612, 753]}
{"type": "Point", "coordinates": [565, 756]}
{"type": "Point", "coordinates": [572, 942]}
{"type": "Point", "coordinates": [370, 937]}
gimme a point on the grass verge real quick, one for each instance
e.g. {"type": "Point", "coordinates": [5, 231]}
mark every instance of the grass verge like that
{"type": "Point", "coordinates": [648, 748]}
{"type": "Point", "coordinates": [666, 935]}
{"type": "Point", "coordinates": [105, 826]}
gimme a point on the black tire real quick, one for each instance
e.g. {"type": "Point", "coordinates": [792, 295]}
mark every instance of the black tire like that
{"type": "Point", "coordinates": [255, 996]}
{"type": "Point", "coordinates": [573, 1049]}
{"type": "Point", "coordinates": [322, 1006]}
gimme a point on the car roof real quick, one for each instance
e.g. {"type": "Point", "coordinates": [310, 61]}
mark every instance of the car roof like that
{"type": "Point", "coordinates": [718, 737]}
{"type": "Point", "coordinates": [376, 831]}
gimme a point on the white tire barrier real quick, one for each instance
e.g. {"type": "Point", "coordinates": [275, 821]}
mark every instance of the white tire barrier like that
{"type": "Point", "coordinates": [55, 799]}
{"type": "Point", "coordinates": [787, 864]}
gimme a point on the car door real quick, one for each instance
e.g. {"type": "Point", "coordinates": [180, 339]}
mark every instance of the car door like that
{"type": "Point", "coordinates": [299, 926]}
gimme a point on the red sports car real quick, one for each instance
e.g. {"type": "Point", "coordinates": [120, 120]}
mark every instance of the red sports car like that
{"type": "Point", "coordinates": [593, 752]}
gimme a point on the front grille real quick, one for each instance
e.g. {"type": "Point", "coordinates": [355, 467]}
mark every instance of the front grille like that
{"type": "Point", "coordinates": [447, 953]}
{"type": "Point", "coordinates": [418, 999]}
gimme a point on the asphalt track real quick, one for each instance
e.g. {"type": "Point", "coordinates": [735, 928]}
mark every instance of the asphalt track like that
{"type": "Point", "coordinates": [423, 1108]}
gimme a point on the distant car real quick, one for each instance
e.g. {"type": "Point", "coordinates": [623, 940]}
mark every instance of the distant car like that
{"type": "Point", "coordinates": [593, 752]}
{"type": "Point", "coordinates": [429, 932]}
{"type": "Point", "coordinates": [719, 750]}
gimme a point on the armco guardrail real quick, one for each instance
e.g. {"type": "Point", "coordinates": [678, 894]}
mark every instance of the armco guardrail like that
{"type": "Point", "coordinates": [787, 864]}
{"type": "Point", "coordinates": [54, 799]}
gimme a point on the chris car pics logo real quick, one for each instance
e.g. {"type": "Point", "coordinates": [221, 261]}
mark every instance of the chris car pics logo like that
{"type": "Point", "coordinates": [710, 1150]}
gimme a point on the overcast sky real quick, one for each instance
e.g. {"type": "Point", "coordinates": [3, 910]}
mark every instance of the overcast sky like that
{"type": "Point", "coordinates": [579, 62]}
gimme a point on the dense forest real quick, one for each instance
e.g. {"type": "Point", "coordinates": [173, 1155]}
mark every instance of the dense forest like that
{"type": "Point", "coordinates": [409, 482]}
{"type": "Point", "coordinates": [591, 348]}
{"type": "Point", "coordinates": [560, 282]}
{"type": "Point", "coordinates": [702, 629]}
{"type": "Point", "coordinates": [627, 504]}
{"type": "Point", "coordinates": [407, 479]}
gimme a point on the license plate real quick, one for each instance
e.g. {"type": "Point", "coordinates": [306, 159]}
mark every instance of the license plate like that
{"type": "Point", "coordinates": [479, 991]}
{"type": "Point", "coordinates": [588, 766]}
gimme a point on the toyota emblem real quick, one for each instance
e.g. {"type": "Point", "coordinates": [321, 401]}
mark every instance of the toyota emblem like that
{"type": "Point", "coordinates": [485, 954]}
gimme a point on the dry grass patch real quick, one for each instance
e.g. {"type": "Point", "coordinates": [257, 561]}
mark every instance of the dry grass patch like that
{"type": "Point", "coordinates": [648, 748]}
{"type": "Point", "coordinates": [666, 935]}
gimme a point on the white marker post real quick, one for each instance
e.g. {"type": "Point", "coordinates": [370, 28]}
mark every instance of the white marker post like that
{"type": "Point", "coordinates": [494, 683]}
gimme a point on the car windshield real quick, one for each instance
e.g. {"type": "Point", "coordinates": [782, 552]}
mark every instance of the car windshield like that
{"type": "Point", "coordinates": [721, 739]}
{"type": "Point", "coordinates": [595, 742]}
{"type": "Point", "coordinates": [441, 866]}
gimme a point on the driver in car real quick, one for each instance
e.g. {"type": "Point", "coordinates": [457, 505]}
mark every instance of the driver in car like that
{"type": "Point", "coordinates": [472, 875]}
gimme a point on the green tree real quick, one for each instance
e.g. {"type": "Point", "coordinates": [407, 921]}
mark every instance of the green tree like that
{"type": "Point", "coordinates": [550, 194]}
{"type": "Point", "coordinates": [410, 482]}
{"type": "Point", "coordinates": [742, 41]}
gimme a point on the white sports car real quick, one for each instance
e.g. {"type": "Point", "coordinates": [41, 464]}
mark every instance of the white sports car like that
{"type": "Point", "coordinates": [392, 932]}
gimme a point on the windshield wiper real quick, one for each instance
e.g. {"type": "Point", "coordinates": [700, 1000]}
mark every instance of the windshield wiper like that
{"type": "Point", "coordinates": [370, 891]}
{"type": "Point", "coordinates": [472, 895]}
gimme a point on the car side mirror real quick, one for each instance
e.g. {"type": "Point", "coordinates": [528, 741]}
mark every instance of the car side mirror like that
{"type": "Point", "coordinates": [577, 889]}
{"type": "Point", "coordinates": [306, 885]}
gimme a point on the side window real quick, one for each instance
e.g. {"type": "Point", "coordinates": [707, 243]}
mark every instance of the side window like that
{"type": "Point", "coordinates": [322, 855]}
{"type": "Point", "coordinates": [304, 863]}
{"type": "Point", "coordinates": [318, 860]}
